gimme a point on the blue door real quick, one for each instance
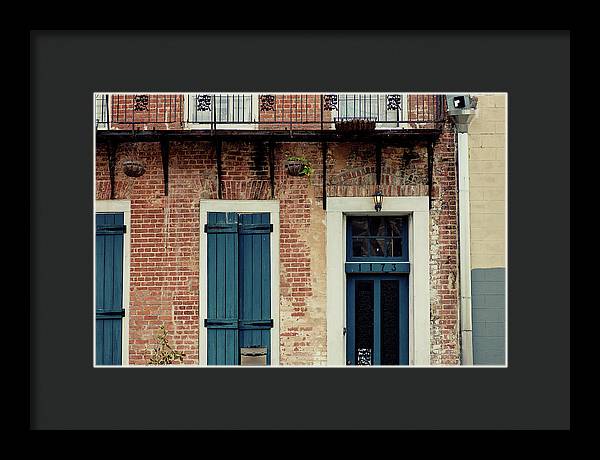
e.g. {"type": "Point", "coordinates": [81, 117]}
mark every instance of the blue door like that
{"type": "Point", "coordinates": [377, 320]}
{"type": "Point", "coordinates": [110, 230]}
{"type": "Point", "coordinates": [239, 285]}
{"type": "Point", "coordinates": [377, 270]}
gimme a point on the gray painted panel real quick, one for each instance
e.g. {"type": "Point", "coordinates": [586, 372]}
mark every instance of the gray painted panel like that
{"type": "Point", "coordinates": [477, 275]}
{"type": "Point", "coordinates": [488, 303]}
{"type": "Point", "coordinates": [488, 350]}
{"type": "Point", "coordinates": [494, 274]}
{"type": "Point", "coordinates": [488, 329]}
{"type": "Point", "coordinates": [487, 287]}
{"type": "Point", "coordinates": [481, 315]}
{"type": "Point", "coordinates": [494, 301]}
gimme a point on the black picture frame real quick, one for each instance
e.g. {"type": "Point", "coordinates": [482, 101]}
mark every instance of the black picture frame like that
{"type": "Point", "coordinates": [66, 67]}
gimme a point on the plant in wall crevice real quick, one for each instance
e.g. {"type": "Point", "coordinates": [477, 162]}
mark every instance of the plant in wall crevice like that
{"type": "Point", "coordinates": [163, 353]}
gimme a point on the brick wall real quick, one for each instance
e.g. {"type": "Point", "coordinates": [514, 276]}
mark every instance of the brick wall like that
{"type": "Point", "coordinates": [146, 111]}
{"type": "Point", "coordinates": [421, 109]}
{"type": "Point", "coordinates": [165, 233]}
{"type": "Point", "coordinates": [444, 253]}
{"type": "Point", "coordinates": [164, 240]}
{"type": "Point", "coordinates": [302, 111]}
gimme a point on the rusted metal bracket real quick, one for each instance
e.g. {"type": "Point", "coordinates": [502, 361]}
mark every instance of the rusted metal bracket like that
{"type": "Point", "coordinates": [324, 151]}
{"type": "Point", "coordinates": [164, 150]}
{"type": "Point", "coordinates": [430, 170]}
{"type": "Point", "coordinates": [218, 146]}
{"type": "Point", "coordinates": [271, 150]}
{"type": "Point", "coordinates": [112, 162]}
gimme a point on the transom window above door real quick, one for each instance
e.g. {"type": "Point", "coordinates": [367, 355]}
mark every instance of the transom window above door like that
{"type": "Point", "coordinates": [377, 238]}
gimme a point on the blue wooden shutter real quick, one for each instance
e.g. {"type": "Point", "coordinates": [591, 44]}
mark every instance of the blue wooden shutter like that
{"type": "Point", "coordinates": [239, 285]}
{"type": "Point", "coordinates": [110, 229]}
{"type": "Point", "coordinates": [222, 295]}
{"type": "Point", "coordinates": [255, 282]}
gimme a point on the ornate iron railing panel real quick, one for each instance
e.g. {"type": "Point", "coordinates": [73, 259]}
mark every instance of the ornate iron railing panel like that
{"type": "Point", "coordinates": [101, 110]}
{"type": "Point", "coordinates": [247, 111]}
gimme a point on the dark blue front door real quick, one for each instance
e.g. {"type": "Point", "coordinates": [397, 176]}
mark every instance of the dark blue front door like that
{"type": "Point", "coordinates": [377, 320]}
{"type": "Point", "coordinates": [377, 270]}
{"type": "Point", "coordinates": [110, 230]}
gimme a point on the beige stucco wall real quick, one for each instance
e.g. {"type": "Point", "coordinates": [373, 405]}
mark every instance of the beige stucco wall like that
{"type": "Point", "coordinates": [487, 172]}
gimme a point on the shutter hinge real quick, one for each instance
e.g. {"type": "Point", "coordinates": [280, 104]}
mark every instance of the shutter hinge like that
{"type": "Point", "coordinates": [111, 229]}
{"type": "Point", "coordinates": [344, 331]}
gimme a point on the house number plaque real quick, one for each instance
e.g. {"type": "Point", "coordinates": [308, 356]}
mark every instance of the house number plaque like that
{"type": "Point", "coordinates": [377, 267]}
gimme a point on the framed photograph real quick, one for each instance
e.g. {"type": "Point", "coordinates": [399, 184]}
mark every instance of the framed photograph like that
{"type": "Point", "coordinates": [304, 229]}
{"type": "Point", "coordinates": [300, 229]}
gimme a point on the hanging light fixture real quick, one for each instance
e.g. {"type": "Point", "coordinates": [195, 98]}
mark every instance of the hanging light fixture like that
{"type": "Point", "coordinates": [378, 199]}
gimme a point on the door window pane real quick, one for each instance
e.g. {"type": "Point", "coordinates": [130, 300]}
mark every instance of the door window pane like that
{"type": "Point", "coordinates": [390, 340]}
{"type": "Point", "coordinates": [395, 226]}
{"type": "Point", "coordinates": [364, 300]}
{"type": "Point", "coordinates": [379, 248]}
{"type": "Point", "coordinates": [377, 237]}
{"type": "Point", "coordinates": [396, 247]}
{"type": "Point", "coordinates": [377, 226]}
{"type": "Point", "coordinates": [360, 247]}
{"type": "Point", "coordinates": [360, 226]}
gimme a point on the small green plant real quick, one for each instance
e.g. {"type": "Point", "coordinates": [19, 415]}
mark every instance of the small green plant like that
{"type": "Point", "coordinates": [306, 170]}
{"type": "Point", "coordinates": [162, 353]}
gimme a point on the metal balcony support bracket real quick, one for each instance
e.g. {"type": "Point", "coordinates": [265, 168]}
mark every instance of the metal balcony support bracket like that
{"type": "Point", "coordinates": [112, 162]}
{"type": "Point", "coordinates": [321, 101]}
{"type": "Point", "coordinates": [271, 151]}
{"type": "Point", "coordinates": [107, 113]}
{"type": "Point", "coordinates": [164, 150]}
{"type": "Point", "coordinates": [378, 162]}
{"type": "Point", "coordinates": [218, 146]}
{"type": "Point", "coordinates": [213, 123]}
{"type": "Point", "coordinates": [429, 169]}
{"type": "Point", "coordinates": [324, 151]}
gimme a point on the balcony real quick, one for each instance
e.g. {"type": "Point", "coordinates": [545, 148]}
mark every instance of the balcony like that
{"type": "Point", "coordinates": [275, 114]}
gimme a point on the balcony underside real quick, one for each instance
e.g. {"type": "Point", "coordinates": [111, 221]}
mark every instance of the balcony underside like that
{"type": "Point", "coordinates": [389, 136]}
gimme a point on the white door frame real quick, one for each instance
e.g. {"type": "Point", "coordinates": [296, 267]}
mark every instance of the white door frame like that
{"type": "Point", "coordinates": [112, 206]}
{"type": "Point", "coordinates": [417, 210]}
{"type": "Point", "coordinates": [241, 206]}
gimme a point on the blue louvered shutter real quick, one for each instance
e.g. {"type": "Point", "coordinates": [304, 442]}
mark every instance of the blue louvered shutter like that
{"type": "Point", "coordinates": [255, 281]}
{"type": "Point", "coordinates": [110, 230]}
{"type": "Point", "coordinates": [222, 276]}
{"type": "Point", "coordinates": [239, 285]}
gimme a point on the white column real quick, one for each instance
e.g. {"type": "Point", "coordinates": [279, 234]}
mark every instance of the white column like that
{"type": "Point", "coordinates": [464, 228]}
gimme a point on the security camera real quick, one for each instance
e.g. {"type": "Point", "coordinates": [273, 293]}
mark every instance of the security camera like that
{"type": "Point", "coordinates": [460, 102]}
{"type": "Point", "coordinates": [461, 107]}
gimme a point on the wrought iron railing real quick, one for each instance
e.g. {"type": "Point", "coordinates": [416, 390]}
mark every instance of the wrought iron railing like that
{"type": "Point", "coordinates": [267, 111]}
{"type": "Point", "coordinates": [101, 110]}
